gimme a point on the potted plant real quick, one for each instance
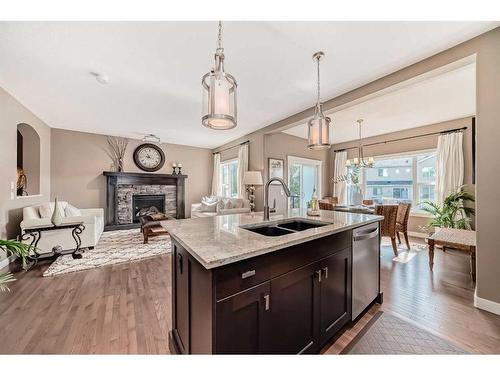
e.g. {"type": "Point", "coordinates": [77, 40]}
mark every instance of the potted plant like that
{"type": "Point", "coordinates": [452, 213]}
{"type": "Point", "coordinates": [22, 251]}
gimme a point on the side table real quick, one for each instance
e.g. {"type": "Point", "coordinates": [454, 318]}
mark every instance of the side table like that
{"type": "Point", "coordinates": [36, 233]}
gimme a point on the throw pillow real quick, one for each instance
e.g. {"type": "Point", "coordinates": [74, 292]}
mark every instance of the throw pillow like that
{"type": "Point", "coordinates": [209, 199]}
{"type": "Point", "coordinates": [208, 207]}
{"type": "Point", "coordinates": [228, 203]}
{"type": "Point", "coordinates": [45, 210]}
{"type": "Point", "coordinates": [72, 211]}
{"type": "Point", "coordinates": [237, 203]}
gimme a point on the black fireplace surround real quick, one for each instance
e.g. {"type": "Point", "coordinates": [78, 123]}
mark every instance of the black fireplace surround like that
{"type": "Point", "coordinates": [114, 179]}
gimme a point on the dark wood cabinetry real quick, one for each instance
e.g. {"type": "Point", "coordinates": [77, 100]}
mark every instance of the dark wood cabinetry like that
{"type": "Point", "coordinates": [294, 298]}
{"type": "Point", "coordinates": [290, 301]}
{"type": "Point", "coordinates": [244, 316]}
{"type": "Point", "coordinates": [335, 294]}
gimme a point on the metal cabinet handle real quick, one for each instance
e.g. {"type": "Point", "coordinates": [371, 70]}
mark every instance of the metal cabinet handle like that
{"type": "Point", "coordinates": [318, 272]}
{"type": "Point", "coordinates": [179, 258]}
{"type": "Point", "coordinates": [266, 302]}
{"type": "Point", "coordinates": [325, 270]}
{"type": "Point", "coordinates": [366, 235]}
{"type": "Point", "coordinates": [246, 274]}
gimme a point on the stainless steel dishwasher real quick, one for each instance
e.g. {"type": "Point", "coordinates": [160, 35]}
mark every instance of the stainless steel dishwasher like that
{"type": "Point", "coordinates": [365, 267]}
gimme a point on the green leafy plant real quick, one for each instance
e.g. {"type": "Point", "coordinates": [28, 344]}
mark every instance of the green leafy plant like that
{"type": "Point", "coordinates": [5, 278]}
{"type": "Point", "coordinates": [452, 213]}
{"type": "Point", "coordinates": [19, 249]}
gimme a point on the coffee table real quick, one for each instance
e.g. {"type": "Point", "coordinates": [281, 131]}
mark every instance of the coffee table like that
{"type": "Point", "coordinates": [460, 239]}
{"type": "Point", "coordinates": [35, 234]}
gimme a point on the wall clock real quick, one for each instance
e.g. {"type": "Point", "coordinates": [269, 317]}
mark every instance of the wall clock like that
{"type": "Point", "coordinates": [149, 157]}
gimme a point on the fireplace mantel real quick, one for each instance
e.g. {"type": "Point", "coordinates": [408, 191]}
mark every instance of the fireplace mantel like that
{"type": "Point", "coordinates": [114, 179]}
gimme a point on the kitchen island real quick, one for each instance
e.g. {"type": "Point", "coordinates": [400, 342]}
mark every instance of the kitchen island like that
{"type": "Point", "coordinates": [241, 284]}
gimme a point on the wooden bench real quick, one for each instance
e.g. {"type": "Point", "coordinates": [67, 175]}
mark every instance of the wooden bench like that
{"type": "Point", "coordinates": [460, 239]}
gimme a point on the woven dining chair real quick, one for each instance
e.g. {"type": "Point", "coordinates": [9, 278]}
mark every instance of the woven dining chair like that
{"type": "Point", "coordinates": [388, 225]}
{"type": "Point", "coordinates": [402, 222]}
{"type": "Point", "coordinates": [328, 203]}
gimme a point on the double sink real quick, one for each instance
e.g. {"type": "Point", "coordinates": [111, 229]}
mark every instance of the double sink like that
{"type": "Point", "coordinates": [284, 227]}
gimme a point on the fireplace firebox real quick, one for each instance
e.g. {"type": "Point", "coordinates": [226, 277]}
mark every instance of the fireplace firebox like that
{"type": "Point", "coordinates": [147, 201]}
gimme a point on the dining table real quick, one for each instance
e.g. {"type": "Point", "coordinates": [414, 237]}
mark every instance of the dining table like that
{"type": "Point", "coordinates": [357, 209]}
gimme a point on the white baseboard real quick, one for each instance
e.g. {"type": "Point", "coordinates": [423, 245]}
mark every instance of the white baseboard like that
{"type": "Point", "coordinates": [418, 234]}
{"type": "Point", "coordinates": [486, 304]}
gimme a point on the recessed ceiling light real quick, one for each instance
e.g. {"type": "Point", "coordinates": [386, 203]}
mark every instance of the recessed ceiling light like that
{"type": "Point", "coordinates": [101, 78]}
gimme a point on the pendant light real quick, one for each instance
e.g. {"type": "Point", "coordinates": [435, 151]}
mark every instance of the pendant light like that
{"type": "Point", "coordinates": [219, 93]}
{"type": "Point", "coordinates": [360, 160]}
{"type": "Point", "coordinates": [319, 126]}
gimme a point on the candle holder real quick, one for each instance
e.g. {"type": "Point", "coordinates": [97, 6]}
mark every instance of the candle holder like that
{"type": "Point", "coordinates": [179, 169]}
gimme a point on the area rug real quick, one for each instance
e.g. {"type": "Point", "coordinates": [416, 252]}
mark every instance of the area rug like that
{"type": "Point", "coordinates": [387, 334]}
{"type": "Point", "coordinates": [113, 248]}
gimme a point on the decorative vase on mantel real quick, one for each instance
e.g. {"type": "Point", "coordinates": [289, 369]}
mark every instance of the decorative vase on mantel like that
{"type": "Point", "coordinates": [120, 165]}
{"type": "Point", "coordinates": [57, 217]}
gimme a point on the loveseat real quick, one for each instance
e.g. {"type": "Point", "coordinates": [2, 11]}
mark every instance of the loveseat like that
{"type": "Point", "coordinates": [214, 206]}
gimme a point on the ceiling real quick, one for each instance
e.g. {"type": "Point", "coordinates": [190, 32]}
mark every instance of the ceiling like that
{"type": "Point", "coordinates": [444, 97]}
{"type": "Point", "coordinates": [155, 69]}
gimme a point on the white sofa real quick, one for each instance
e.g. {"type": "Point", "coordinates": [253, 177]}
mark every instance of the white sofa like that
{"type": "Point", "coordinates": [93, 220]}
{"type": "Point", "coordinates": [237, 206]}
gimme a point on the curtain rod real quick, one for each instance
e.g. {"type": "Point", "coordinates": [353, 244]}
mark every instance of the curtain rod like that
{"type": "Point", "coordinates": [229, 148]}
{"type": "Point", "coordinates": [406, 138]}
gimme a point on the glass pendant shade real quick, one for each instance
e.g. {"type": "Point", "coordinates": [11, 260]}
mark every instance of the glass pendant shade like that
{"type": "Point", "coordinates": [219, 95]}
{"type": "Point", "coordinates": [318, 130]}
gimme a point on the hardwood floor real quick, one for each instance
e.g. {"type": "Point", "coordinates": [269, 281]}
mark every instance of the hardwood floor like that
{"type": "Point", "coordinates": [127, 309]}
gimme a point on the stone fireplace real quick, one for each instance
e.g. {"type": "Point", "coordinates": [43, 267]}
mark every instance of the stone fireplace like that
{"type": "Point", "coordinates": [126, 193]}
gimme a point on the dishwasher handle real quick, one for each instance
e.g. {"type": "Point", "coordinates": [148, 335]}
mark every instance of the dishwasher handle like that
{"type": "Point", "coordinates": [366, 235]}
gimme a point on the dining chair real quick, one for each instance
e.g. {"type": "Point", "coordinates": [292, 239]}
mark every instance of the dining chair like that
{"type": "Point", "coordinates": [326, 206]}
{"type": "Point", "coordinates": [388, 225]}
{"type": "Point", "coordinates": [331, 200]}
{"type": "Point", "coordinates": [328, 203]}
{"type": "Point", "coordinates": [368, 202]}
{"type": "Point", "coordinates": [402, 221]}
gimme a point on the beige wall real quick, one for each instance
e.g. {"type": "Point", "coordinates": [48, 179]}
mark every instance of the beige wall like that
{"type": "Point", "coordinates": [13, 113]}
{"type": "Point", "coordinates": [279, 145]}
{"type": "Point", "coordinates": [416, 144]}
{"type": "Point", "coordinates": [485, 48]}
{"type": "Point", "coordinates": [78, 160]}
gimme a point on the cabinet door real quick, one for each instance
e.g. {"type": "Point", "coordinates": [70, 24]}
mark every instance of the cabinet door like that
{"type": "Point", "coordinates": [180, 267]}
{"type": "Point", "coordinates": [294, 299]}
{"type": "Point", "coordinates": [242, 321]}
{"type": "Point", "coordinates": [335, 293]}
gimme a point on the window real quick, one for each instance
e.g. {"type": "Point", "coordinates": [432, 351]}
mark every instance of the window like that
{"type": "Point", "coordinates": [382, 172]}
{"type": "Point", "coordinates": [228, 175]}
{"type": "Point", "coordinates": [397, 178]}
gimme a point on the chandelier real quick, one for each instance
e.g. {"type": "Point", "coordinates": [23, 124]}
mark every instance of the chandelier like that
{"type": "Point", "coordinates": [360, 160]}
{"type": "Point", "coordinates": [319, 126]}
{"type": "Point", "coordinates": [219, 93]}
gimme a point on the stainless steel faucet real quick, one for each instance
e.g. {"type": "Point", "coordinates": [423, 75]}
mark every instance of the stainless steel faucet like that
{"type": "Point", "coordinates": [266, 194]}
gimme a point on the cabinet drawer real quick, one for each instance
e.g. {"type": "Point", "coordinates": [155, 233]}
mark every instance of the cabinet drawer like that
{"type": "Point", "coordinates": [297, 256]}
{"type": "Point", "coordinates": [239, 276]}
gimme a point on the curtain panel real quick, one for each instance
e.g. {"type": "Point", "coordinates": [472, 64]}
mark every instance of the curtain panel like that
{"type": "Point", "coordinates": [215, 176]}
{"type": "Point", "coordinates": [242, 168]}
{"type": "Point", "coordinates": [339, 169]}
{"type": "Point", "coordinates": [449, 165]}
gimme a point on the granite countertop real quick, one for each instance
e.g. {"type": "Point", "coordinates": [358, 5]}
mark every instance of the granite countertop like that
{"type": "Point", "coordinates": [220, 240]}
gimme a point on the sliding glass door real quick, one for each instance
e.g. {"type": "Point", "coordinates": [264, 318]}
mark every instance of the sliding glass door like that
{"type": "Point", "coordinates": [304, 175]}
